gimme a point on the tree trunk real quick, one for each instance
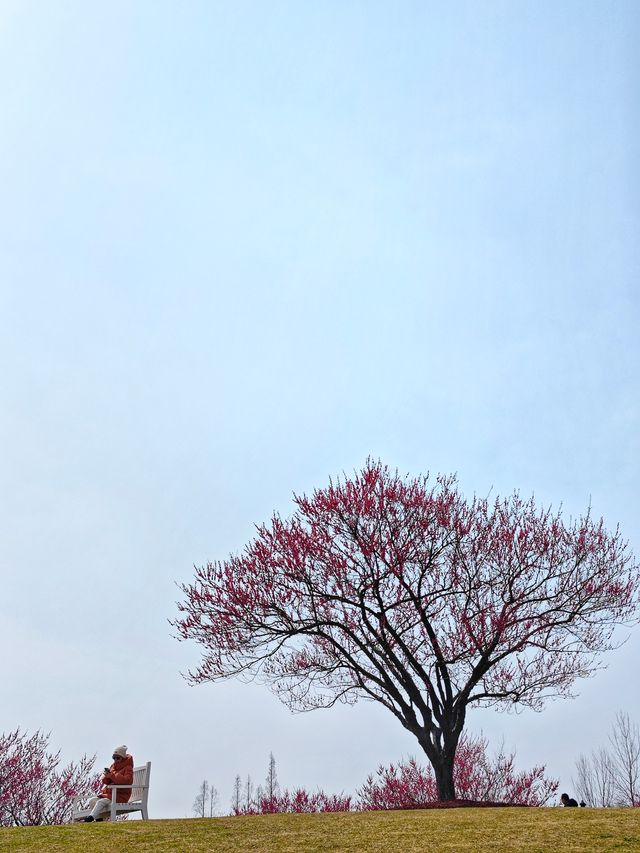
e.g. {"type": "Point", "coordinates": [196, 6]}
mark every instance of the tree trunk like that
{"type": "Point", "coordinates": [443, 771]}
{"type": "Point", "coordinates": [441, 752]}
{"type": "Point", "coordinates": [440, 743]}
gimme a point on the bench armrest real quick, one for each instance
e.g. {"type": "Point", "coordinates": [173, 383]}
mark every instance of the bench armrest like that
{"type": "Point", "coordinates": [117, 787]}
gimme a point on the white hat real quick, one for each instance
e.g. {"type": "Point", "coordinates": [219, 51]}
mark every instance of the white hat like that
{"type": "Point", "coordinates": [121, 751]}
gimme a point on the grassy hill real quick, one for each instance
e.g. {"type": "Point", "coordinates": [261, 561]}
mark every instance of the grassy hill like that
{"type": "Point", "coordinates": [452, 831]}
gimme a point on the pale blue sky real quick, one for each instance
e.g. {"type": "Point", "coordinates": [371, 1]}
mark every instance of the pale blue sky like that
{"type": "Point", "coordinates": [245, 245]}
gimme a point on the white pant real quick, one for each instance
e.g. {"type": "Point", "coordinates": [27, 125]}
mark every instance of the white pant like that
{"type": "Point", "coordinates": [99, 806]}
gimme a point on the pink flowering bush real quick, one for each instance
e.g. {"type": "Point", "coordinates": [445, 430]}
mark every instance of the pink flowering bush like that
{"type": "Point", "coordinates": [480, 780]}
{"type": "Point", "coordinates": [478, 777]}
{"type": "Point", "coordinates": [299, 801]}
{"type": "Point", "coordinates": [34, 790]}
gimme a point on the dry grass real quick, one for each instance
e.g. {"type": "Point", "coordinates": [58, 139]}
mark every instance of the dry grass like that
{"type": "Point", "coordinates": [454, 831]}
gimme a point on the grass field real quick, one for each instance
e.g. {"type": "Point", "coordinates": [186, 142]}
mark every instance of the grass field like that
{"type": "Point", "coordinates": [461, 830]}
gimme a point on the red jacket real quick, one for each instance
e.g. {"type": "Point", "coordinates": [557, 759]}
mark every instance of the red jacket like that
{"type": "Point", "coordinates": [120, 773]}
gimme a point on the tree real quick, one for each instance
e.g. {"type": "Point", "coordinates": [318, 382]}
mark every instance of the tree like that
{"type": "Point", "coordinates": [610, 776]}
{"type": "Point", "coordinates": [236, 796]}
{"type": "Point", "coordinates": [271, 786]}
{"type": "Point", "coordinates": [404, 593]}
{"type": "Point", "coordinates": [248, 798]}
{"type": "Point", "coordinates": [201, 800]}
{"type": "Point", "coordinates": [213, 800]}
{"type": "Point", "coordinates": [624, 742]}
{"type": "Point", "coordinates": [595, 783]}
{"type": "Point", "coordinates": [206, 800]}
{"type": "Point", "coordinates": [34, 790]}
{"type": "Point", "coordinates": [477, 777]}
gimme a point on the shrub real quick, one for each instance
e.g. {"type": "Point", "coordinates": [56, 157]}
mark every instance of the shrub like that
{"type": "Point", "coordinates": [33, 789]}
{"type": "Point", "coordinates": [478, 777]}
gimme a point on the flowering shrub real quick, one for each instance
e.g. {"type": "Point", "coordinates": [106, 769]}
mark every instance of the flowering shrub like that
{"type": "Point", "coordinates": [33, 790]}
{"type": "Point", "coordinates": [478, 778]}
{"type": "Point", "coordinates": [299, 801]}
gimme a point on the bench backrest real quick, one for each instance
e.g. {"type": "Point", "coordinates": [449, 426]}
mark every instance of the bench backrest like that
{"type": "Point", "coordinates": [140, 790]}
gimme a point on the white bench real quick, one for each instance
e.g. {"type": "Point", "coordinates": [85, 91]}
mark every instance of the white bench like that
{"type": "Point", "coordinates": [137, 800]}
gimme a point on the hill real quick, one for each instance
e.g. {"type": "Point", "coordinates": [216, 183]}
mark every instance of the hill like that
{"type": "Point", "coordinates": [451, 831]}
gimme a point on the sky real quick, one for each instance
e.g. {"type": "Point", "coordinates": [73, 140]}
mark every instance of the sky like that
{"type": "Point", "coordinates": [243, 247]}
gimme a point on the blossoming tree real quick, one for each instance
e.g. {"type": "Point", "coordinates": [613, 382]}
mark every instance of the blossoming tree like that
{"type": "Point", "coordinates": [34, 789]}
{"type": "Point", "coordinates": [401, 591]}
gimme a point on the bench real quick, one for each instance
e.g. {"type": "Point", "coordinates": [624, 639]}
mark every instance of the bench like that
{"type": "Point", "coordinates": [137, 800]}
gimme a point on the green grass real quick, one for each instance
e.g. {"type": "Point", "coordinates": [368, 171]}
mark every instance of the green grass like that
{"type": "Point", "coordinates": [451, 831]}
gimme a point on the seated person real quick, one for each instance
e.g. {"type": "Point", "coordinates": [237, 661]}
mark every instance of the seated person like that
{"type": "Point", "coordinates": [568, 802]}
{"type": "Point", "coordinates": [120, 773]}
